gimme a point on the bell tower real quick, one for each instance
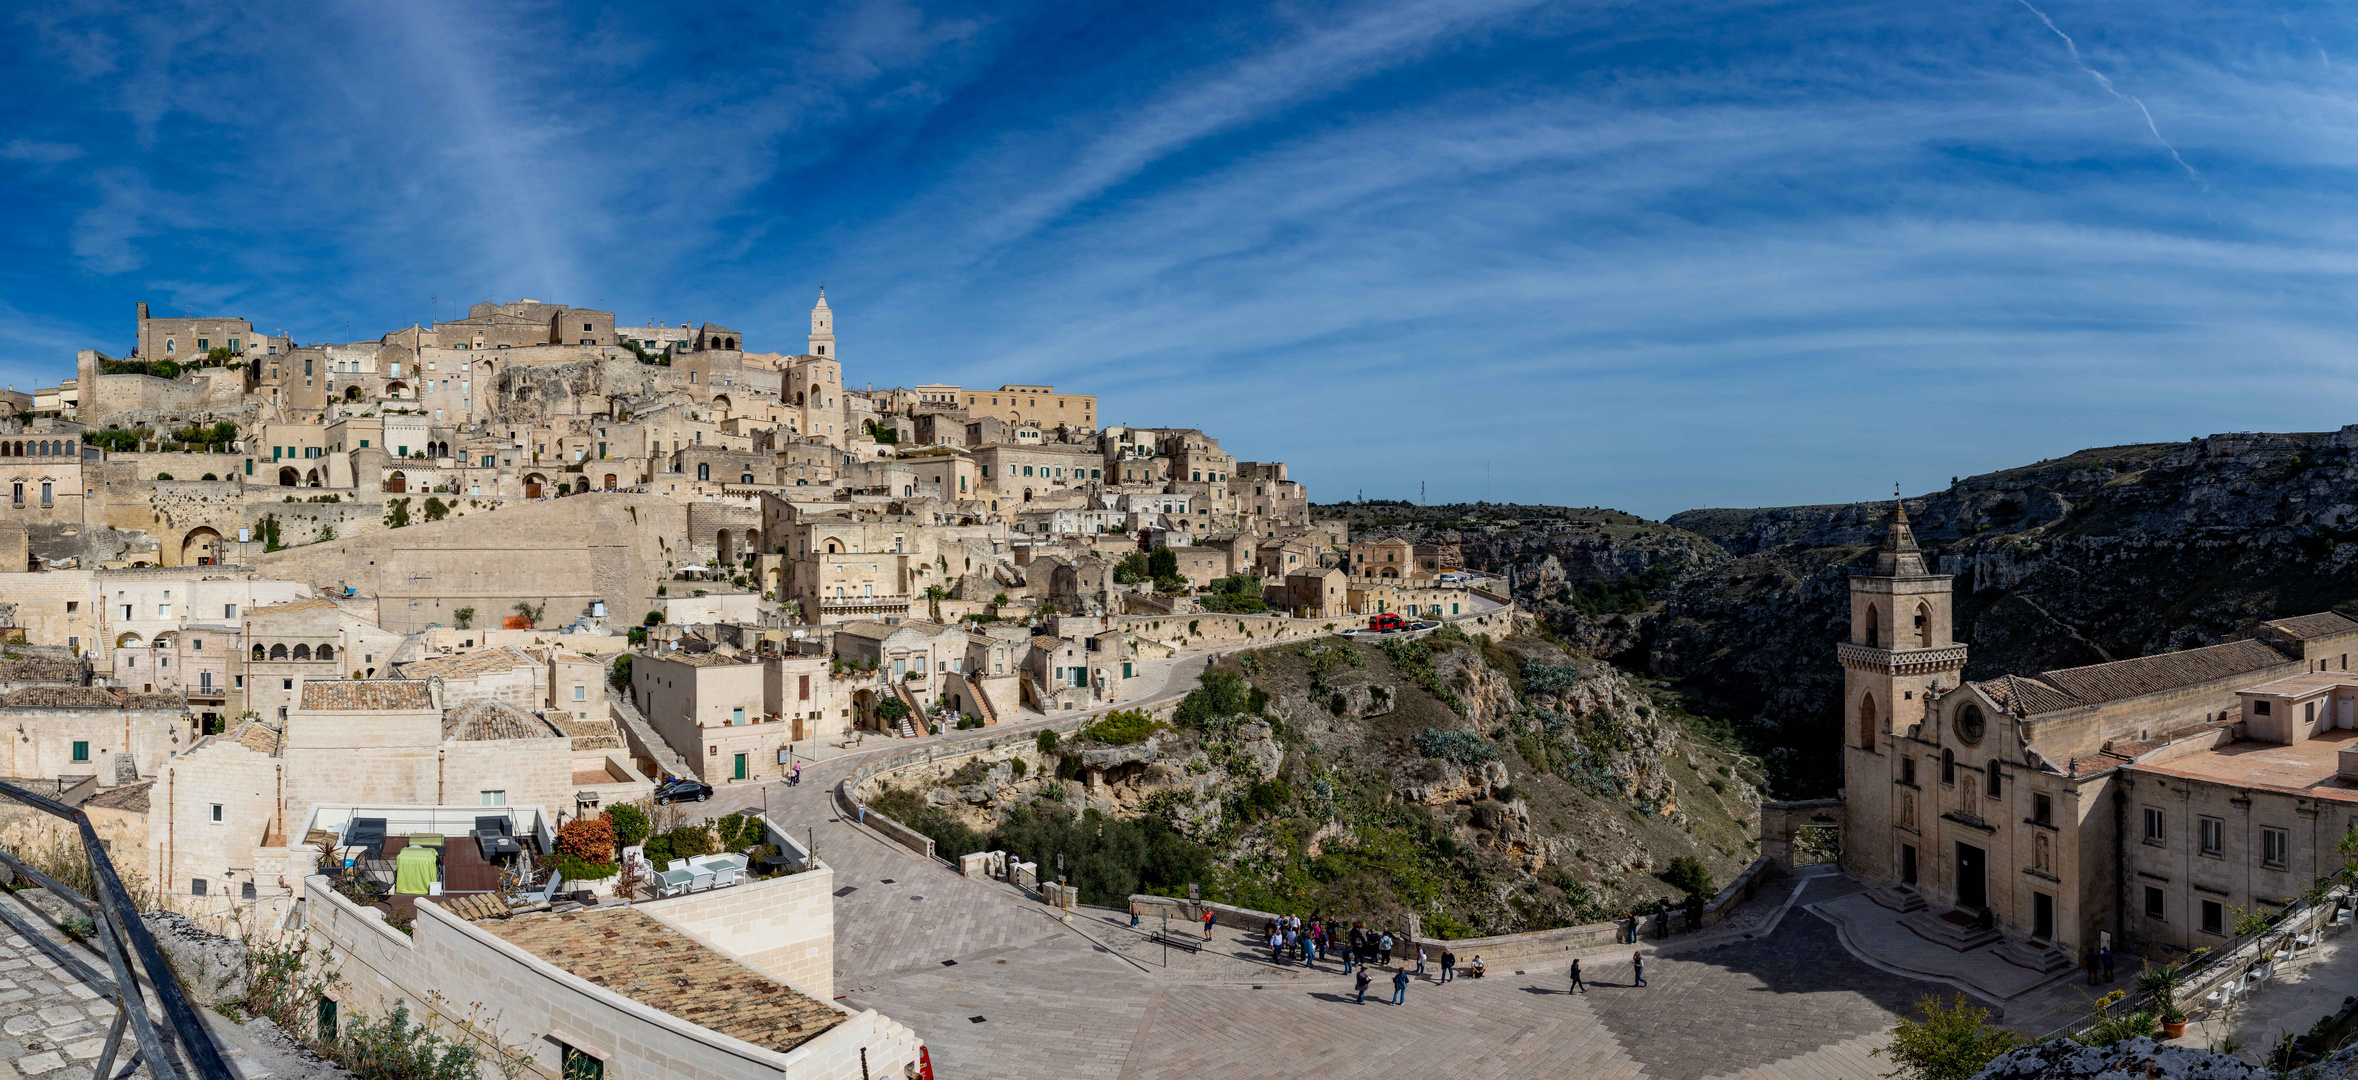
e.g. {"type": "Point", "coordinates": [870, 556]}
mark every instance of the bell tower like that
{"type": "Point", "coordinates": [823, 328]}
{"type": "Point", "coordinates": [1899, 657]}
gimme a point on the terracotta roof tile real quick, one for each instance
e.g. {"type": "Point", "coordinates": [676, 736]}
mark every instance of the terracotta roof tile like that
{"type": "Point", "coordinates": [129, 797]}
{"type": "Point", "coordinates": [365, 695]}
{"type": "Point", "coordinates": [628, 953]}
{"type": "Point", "coordinates": [258, 737]}
{"type": "Point", "coordinates": [478, 721]}
{"type": "Point", "coordinates": [89, 697]}
{"type": "Point", "coordinates": [2322, 624]}
{"type": "Point", "coordinates": [2163, 671]}
{"type": "Point", "coordinates": [467, 664]}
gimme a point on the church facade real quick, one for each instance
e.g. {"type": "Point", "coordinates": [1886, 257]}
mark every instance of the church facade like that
{"type": "Point", "coordinates": [2148, 798]}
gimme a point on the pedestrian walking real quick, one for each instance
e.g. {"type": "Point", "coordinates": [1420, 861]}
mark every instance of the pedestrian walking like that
{"type": "Point", "coordinates": [1400, 987]}
{"type": "Point", "coordinates": [1637, 967]}
{"type": "Point", "coordinates": [796, 779]}
{"type": "Point", "coordinates": [1364, 979]}
{"type": "Point", "coordinates": [1448, 964]}
{"type": "Point", "coordinates": [1210, 917]}
{"type": "Point", "coordinates": [1384, 950]}
{"type": "Point", "coordinates": [1420, 961]}
{"type": "Point", "coordinates": [2105, 954]}
{"type": "Point", "coordinates": [1578, 987]}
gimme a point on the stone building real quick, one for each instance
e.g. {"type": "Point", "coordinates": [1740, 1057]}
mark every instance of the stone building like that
{"type": "Point", "coordinates": [2143, 798]}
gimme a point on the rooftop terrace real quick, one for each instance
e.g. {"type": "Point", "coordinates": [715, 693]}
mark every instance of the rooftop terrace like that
{"type": "Point", "coordinates": [2307, 767]}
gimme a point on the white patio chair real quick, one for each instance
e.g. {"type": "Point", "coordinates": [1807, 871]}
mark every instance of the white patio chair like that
{"type": "Point", "coordinates": [702, 880]}
{"type": "Point", "coordinates": [676, 864]}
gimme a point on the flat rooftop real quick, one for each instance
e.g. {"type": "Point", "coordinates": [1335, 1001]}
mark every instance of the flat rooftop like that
{"type": "Point", "coordinates": [2307, 767]}
{"type": "Point", "coordinates": [624, 951]}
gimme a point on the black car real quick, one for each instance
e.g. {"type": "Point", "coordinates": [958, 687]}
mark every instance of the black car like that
{"type": "Point", "coordinates": [673, 791]}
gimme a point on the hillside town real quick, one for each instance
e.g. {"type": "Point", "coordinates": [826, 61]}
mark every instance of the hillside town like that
{"type": "Point", "coordinates": [293, 618]}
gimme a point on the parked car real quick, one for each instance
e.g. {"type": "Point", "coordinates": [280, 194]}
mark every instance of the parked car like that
{"type": "Point", "coordinates": [677, 791]}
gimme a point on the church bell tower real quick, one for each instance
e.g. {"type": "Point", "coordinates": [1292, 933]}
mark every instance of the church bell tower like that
{"type": "Point", "coordinates": [823, 328]}
{"type": "Point", "coordinates": [1899, 657]}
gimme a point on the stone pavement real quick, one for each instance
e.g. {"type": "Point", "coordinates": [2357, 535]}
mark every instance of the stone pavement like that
{"type": "Point", "coordinates": [999, 988]}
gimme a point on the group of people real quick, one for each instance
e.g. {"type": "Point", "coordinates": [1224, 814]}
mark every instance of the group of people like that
{"type": "Point", "coordinates": [1291, 938]}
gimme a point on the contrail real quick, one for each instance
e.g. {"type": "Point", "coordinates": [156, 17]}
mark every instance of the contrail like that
{"type": "Point", "coordinates": [2074, 48]}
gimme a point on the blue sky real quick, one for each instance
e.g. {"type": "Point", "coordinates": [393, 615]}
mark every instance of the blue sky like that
{"type": "Point", "coordinates": [1645, 255]}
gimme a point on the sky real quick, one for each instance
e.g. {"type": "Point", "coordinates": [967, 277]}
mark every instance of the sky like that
{"type": "Point", "coordinates": [1646, 255]}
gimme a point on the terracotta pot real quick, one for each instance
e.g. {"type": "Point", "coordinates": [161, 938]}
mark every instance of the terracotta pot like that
{"type": "Point", "coordinates": [2173, 1031]}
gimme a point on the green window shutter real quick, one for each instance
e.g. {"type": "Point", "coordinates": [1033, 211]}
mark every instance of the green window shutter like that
{"type": "Point", "coordinates": [81, 751]}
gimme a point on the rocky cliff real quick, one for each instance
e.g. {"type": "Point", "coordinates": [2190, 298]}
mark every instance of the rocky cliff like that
{"type": "Point", "coordinates": [2104, 554]}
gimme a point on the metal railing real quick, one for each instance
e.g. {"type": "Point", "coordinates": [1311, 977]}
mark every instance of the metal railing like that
{"type": "Point", "coordinates": [115, 921]}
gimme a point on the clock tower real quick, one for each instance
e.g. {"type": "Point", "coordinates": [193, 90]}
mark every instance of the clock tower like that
{"type": "Point", "coordinates": [1899, 657]}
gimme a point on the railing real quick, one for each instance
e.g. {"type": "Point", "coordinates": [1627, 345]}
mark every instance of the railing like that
{"type": "Point", "coordinates": [114, 921]}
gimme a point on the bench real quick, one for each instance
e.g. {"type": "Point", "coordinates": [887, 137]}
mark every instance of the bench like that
{"type": "Point", "coordinates": [1190, 944]}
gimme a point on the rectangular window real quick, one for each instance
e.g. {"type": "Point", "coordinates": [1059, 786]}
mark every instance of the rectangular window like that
{"type": "Point", "coordinates": [2153, 902]}
{"type": "Point", "coordinates": [1907, 770]}
{"type": "Point", "coordinates": [45, 495]}
{"type": "Point", "coordinates": [2042, 809]}
{"type": "Point", "coordinates": [229, 611]}
{"type": "Point", "coordinates": [2214, 918]}
{"type": "Point", "coordinates": [81, 751]}
{"type": "Point", "coordinates": [214, 815]}
{"type": "Point", "coordinates": [581, 693]}
{"type": "Point", "coordinates": [2153, 826]}
{"type": "Point", "coordinates": [736, 717]}
{"type": "Point", "coordinates": [578, 1065]}
{"type": "Point", "coordinates": [163, 611]}
{"type": "Point", "coordinates": [2213, 836]}
{"type": "Point", "coordinates": [493, 798]}
{"type": "Point", "coordinates": [127, 611]}
{"type": "Point", "coordinates": [196, 886]}
{"type": "Point", "coordinates": [803, 686]}
{"type": "Point", "coordinates": [2275, 847]}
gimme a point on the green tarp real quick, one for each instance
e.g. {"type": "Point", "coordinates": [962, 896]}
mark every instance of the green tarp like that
{"type": "Point", "coordinates": [413, 870]}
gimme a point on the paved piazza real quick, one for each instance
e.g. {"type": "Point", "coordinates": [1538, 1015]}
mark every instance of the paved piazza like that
{"type": "Point", "coordinates": [998, 988]}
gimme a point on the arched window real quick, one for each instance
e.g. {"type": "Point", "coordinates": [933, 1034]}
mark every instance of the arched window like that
{"type": "Point", "coordinates": [1923, 626]}
{"type": "Point", "coordinates": [1948, 766]}
{"type": "Point", "coordinates": [302, 652]}
{"type": "Point", "coordinates": [1869, 722]}
{"type": "Point", "coordinates": [1874, 625]}
{"type": "Point", "coordinates": [745, 479]}
{"type": "Point", "coordinates": [258, 654]}
{"type": "Point", "coordinates": [278, 652]}
{"type": "Point", "coordinates": [325, 652]}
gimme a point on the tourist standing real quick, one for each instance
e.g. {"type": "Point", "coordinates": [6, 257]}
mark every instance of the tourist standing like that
{"type": "Point", "coordinates": [2105, 954]}
{"type": "Point", "coordinates": [1210, 917]}
{"type": "Point", "coordinates": [1384, 950]}
{"type": "Point", "coordinates": [1364, 979]}
{"type": "Point", "coordinates": [1637, 967]}
{"type": "Point", "coordinates": [1420, 961]}
{"type": "Point", "coordinates": [1400, 987]}
{"type": "Point", "coordinates": [1448, 964]}
{"type": "Point", "coordinates": [1578, 987]}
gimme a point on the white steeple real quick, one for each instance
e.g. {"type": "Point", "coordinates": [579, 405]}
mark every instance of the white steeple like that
{"type": "Point", "coordinates": [822, 328]}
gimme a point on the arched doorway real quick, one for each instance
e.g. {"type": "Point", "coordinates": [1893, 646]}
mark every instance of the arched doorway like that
{"type": "Point", "coordinates": [311, 479]}
{"type": "Point", "coordinates": [720, 543]}
{"type": "Point", "coordinates": [532, 485]}
{"type": "Point", "coordinates": [397, 483]}
{"type": "Point", "coordinates": [721, 402]}
{"type": "Point", "coordinates": [201, 547]}
{"type": "Point", "coordinates": [288, 477]}
{"type": "Point", "coordinates": [864, 710]}
{"type": "Point", "coordinates": [609, 481]}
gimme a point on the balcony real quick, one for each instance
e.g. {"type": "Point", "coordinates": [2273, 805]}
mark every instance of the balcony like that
{"type": "Point", "coordinates": [859, 606]}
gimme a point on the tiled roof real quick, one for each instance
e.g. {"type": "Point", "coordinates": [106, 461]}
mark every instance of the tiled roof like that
{"type": "Point", "coordinates": [588, 734]}
{"type": "Point", "coordinates": [129, 797]}
{"type": "Point", "coordinates": [293, 607]}
{"type": "Point", "coordinates": [705, 659]}
{"type": "Point", "coordinates": [89, 697]}
{"type": "Point", "coordinates": [2322, 624]}
{"type": "Point", "coordinates": [365, 695]}
{"type": "Point", "coordinates": [629, 953]}
{"type": "Point", "coordinates": [40, 668]}
{"type": "Point", "coordinates": [2162, 671]}
{"type": "Point", "coordinates": [476, 906]}
{"type": "Point", "coordinates": [258, 737]}
{"type": "Point", "coordinates": [2025, 696]}
{"type": "Point", "coordinates": [467, 664]}
{"type": "Point", "coordinates": [478, 721]}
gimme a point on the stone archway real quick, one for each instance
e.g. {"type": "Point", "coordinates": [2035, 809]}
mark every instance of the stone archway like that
{"type": "Point", "coordinates": [1811, 828]}
{"type": "Point", "coordinates": [610, 481]}
{"type": "Point", "coordinates": [288, 477]}
{"type": "Point", "coordinates": [201, 547]}
{"type": "Point", "coordinates": [532, 485]}
{"type": "Point", "coordinates": [396, 484]}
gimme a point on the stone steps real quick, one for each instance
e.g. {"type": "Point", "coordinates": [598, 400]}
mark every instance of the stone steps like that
{"type": "Point", "coordinates": [1939, 929]}
{"type": "Point", "coordinates": [1899, 898]}
{"type": "Point", "coordinates": [2037, 956]}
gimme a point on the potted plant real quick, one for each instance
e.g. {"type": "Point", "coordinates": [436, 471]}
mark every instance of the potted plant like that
{"type": "Point", "coordinates": [2160, 986]}
{"type": "Point", "coordinates": [2173, 1021]}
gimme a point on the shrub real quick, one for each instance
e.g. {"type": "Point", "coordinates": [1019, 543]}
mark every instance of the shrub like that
{"type": "Point", "coordinates": [1223, 693]}
{"type": "Point", "coordinates": [1455, 745]}
{"type": "Point", "coordinates": [1046, 742]}
{"type": "Point", "coordinates": [891, 709]}
{"type": "Point", "coordinates": [210, 476]}
{"type": "Point", "coordinates": [1122, 727]}
{"type": "Point", "coordinates": [689, 841]}
{"type": "Point", "coordinates": [1687, 874]}
{"type": "Point", "coordinates": [395, 1049]}
{"type": "Point", "coordinates": [1018, 767]}
{"type": "Point", "coordinates": [629, 822]}
{"type": "Point", "coordinates": [1162, 563]}
{"type": "Point", "coordinates": [969, 721]}
{"type": "Point", "coordinates": [576, 870]}
{"type": "Point", "coordinates": [163, 476]}
{"type": "Point", "coordinates": [1952, 1041]}
{"type": "Point", "coordinates": [587, 839]}
{"type": "Point", "coordinates": [464, 617]}
{"type": "Point", "coordinates": [736, 832]}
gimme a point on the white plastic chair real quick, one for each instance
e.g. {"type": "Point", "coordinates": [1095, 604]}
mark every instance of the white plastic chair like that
{"type": "Point", "coordinates": [676, 864]}
{"type": "Point", "coordinates": [702, 880]}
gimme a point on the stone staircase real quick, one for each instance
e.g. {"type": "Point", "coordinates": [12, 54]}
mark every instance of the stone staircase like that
{"type": "Point", "coordinates": [982, 701]}
{"type": "Point", "coordinates": [1899, 898]}
{"type": "Point", "coordinates": [642, 737]}
{"type": "Point", "coordinates": [908, 727]}
{"type": "Point", "coordinates": [2035, 955]}
{"type": "Point", "coordinates": [909, 723]}
{"type": "Point", "coordinates": [1956, 928]}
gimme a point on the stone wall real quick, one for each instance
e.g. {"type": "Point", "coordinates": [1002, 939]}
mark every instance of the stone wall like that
{"type": "Point", "coordinates": [448, 965]}
{"type": "Point", "coordinates": [784, 926]}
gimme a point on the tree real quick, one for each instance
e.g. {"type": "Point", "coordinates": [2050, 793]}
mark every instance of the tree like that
{"type": "Point", "coordinates": [530, 612]}
{"type": "Point", "coordinates": [934, 595]}
{"type": "Point", "coordinates": [1132, 569]}
{"type": "Point", "coordinates": [1687, 874]}
{"type": "Point", "coordinates": [464, 617]}
{"type": "Point", "coordinates": [620, 677]}
{"type": "Point", "coordinates": [890, 710]}
{"type": "Point", "coordinates": [1163, 563]}
{"type": "Point", "coordinates": [1952, 1041]}
{"type": "Point", "coordinates": [630, 823]}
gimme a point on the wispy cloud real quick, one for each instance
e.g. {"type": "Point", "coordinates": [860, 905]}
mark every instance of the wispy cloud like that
{"type": "Point", "coordinates": [39, 153]}
{"type": "Point", "coordinates": [2073, 47]}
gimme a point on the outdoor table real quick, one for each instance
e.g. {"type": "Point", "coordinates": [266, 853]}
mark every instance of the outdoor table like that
{"type": "Point", "coordinates": [676, 881]}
